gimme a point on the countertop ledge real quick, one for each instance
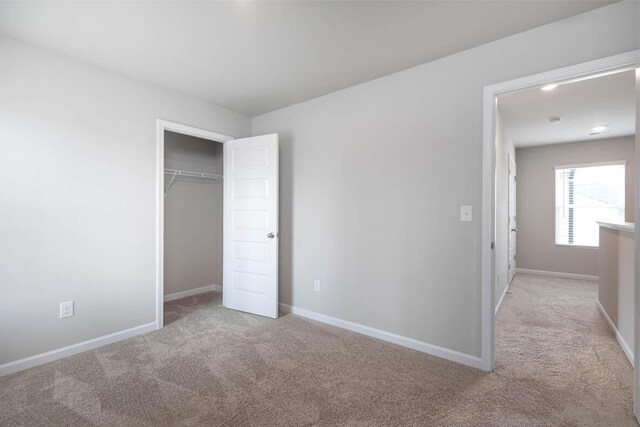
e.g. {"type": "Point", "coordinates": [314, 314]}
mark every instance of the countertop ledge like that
{"type": "Point", "coordinates": [622, 226]}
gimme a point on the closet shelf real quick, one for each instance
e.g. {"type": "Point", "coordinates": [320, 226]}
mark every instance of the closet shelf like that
{"type": "Point", "coordinates": [191, 174]}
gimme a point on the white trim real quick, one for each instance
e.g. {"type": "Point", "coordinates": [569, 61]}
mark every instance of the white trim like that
{"type": "Point", "coordinates": [565, 245]}
{"type": "Point", "coordinates": [50, 356]}
{"type": "Point", "coordinates": [434, 350]}
{"type": "Point", "coordinates": [558, 274]}
{"type": "Point", "coordinates": [503, 294]}
{"type": "Point", "coordinates": [161, 126]}
{"type": "Point", "coordinates": [193, 131]}
{"type": "Point", "coordinates": [592, 164]}
{"type": "Point", "coordinates": [620, 226]}
{"type": "Point", "coordinates": [625, 348]}
{"type": "Point", "coordinates": [636, 299]}
{"type": "Point", "coordinates": [191, 292]}
{"type": "Point", "coordinates": [602, 66]}
{"type": "Point", "coordinates": [490, 105]}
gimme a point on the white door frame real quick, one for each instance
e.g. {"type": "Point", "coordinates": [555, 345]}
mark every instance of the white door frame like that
{"type": "Point", "coordinates": [161, 126]}
{"type": "Point", "coordinates": [636, 296]}
{"type": "Point", "coordinates": [625, 61]}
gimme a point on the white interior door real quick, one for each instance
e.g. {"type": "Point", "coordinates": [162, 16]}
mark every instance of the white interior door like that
{"type": "Point", "coordinates": [513, 228]}
{"type": "Point", "coordinates": [250, 272]}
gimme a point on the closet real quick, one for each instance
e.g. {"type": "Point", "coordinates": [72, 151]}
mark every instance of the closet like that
{"type": "Point", "coordinates": [193, 211]}
{"type": "Point", "coordinates": [217, 218]}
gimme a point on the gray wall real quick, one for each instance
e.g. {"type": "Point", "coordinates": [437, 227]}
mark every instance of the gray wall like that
{"type": "Point", "coordinates": [78, 196]}
{"type": "Point", "coordinates": [504, 149]}
{"type": "Point", "coordinates": [373, 176]}
{"type": "Point", "coordinates": [192, 215]}
{"type": "Point", "coordinates": [536, 248]}
{"type": "Point", "coordinates": [616, 280]}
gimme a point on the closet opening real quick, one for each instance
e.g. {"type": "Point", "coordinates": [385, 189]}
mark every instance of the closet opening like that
{"type": "Point", "coordinates": [193, 201]}
{"type": "Point", "coordinates": [190, 176]}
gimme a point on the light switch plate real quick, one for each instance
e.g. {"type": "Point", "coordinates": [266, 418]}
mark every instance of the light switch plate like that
{"type": "Point", "coordinates": [465, 213]}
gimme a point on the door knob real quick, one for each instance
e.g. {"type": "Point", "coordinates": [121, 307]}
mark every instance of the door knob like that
{"type": "Point", "coordinates": [514, 229]}
{"type": "Point", "coordinates": [271, 235]}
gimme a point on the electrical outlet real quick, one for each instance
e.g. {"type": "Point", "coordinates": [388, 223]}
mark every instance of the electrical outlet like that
{"type": "Point", "coordinates": [66, 309]}
{"type": "Point", "coordinates": [316, 285]}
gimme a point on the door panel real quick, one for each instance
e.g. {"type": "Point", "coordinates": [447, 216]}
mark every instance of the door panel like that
{"type": "Point", "coordinates": [512, 218]}
{"type": "Point", "coordinates": [250, 275]}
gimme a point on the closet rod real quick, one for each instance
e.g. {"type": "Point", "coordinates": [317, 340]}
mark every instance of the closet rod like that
{"type": "Point", "coordinates": [193, 174]}
{"type": "Point", "coordinates": [176, 172]}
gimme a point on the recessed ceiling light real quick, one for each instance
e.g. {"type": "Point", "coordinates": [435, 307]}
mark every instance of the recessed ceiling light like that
{"type": "Point", "coordinates": [549, 87]}
{"type": "Point", "coordinates": [598, 129]}
{"type": "Point", "coordinates": [555, 120]}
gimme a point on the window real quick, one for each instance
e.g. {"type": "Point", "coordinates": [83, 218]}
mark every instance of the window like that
{"type": "Point", "coordinates": [586, 194]}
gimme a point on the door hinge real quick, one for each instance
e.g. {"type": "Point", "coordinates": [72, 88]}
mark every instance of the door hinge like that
{"type": "Point", "coordinates": [514, 257]}
{"type": "Point", "coordinates": [492, 245]}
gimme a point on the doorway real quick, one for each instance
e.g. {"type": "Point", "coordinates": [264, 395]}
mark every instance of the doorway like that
{"type": "Point", "coordinates": [186, 143]}
{"type": "Point", "coordinates": [602, 67]}
{"type": "Point", "coordinates": [193, 201]}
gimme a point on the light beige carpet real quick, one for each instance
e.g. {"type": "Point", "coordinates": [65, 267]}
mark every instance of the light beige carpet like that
{"type": "Point", "coordinates": [557, 364]}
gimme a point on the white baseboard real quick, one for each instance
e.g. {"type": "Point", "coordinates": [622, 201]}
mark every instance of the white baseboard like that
{"type": "Point", "coordinates": [502, 297]}
{"type": "Point", "coordinates": [434, 350]}
{"type": "Point", "coordinates": [625, 348]}
{"type": "Point", "coordinates": [192, 292]}
{"type": "Point", "coordinates": [558, 274]}
{"type": "Point", "coordinates": [50, 356]}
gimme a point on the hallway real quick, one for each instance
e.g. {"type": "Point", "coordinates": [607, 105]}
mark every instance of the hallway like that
{"type": "Point", "coordinates": [555, 348]}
